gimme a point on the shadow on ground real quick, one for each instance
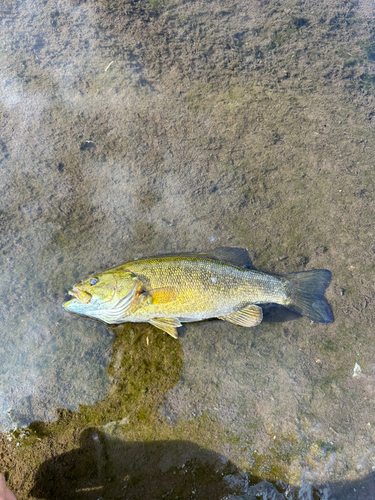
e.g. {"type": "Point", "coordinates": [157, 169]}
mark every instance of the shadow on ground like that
{"type": "Point", "coordinates": [273, 313]}
{"type": "Point", "coordinates": [105, 467]}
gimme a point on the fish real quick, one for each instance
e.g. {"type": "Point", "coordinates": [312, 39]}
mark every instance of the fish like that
{"type": "Point", "coordinates": [169, 290]}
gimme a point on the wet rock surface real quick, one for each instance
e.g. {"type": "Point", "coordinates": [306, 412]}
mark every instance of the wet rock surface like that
{"type": "Point", "coordinates": [136, 128]}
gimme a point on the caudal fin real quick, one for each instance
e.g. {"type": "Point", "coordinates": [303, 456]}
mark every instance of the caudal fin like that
{"type": "Point", "coordinates": [305, 292]}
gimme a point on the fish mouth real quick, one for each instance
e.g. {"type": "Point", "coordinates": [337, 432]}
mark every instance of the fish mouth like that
{"type": "Point", "coordinates": [80, 295]}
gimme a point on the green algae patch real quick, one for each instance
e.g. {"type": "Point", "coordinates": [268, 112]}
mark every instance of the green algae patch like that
{"type": "Point", "coordinates": [281, 459]}
{"type": "Point", "coordinates": [144, 366]}
{"type": "Point", "coordinates": [276, 462]}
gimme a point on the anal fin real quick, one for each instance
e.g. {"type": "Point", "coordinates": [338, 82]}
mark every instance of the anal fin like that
{"type": "Point", "coordinates": [251, 315]}
{"type": "Point", "coordinates": [168, 325]}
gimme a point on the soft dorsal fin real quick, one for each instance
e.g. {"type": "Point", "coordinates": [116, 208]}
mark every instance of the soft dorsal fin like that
{"type": "Point", "coordinates": [232, 255]}
{"type": "Point", "coordinates": [168, 325]}
{"type": "Point", "coordinates": [248, 316]}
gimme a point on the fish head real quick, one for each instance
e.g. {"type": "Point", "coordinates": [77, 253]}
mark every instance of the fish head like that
{"type": "Point", "coordinates": [106, 296]}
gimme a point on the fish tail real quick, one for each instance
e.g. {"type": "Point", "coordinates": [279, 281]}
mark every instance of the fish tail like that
{"type": "Point", "coordinates": [305, 294]}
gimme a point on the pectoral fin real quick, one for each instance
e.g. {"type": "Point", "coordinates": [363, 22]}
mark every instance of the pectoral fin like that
{"type": "Point", "coordinates": [249, 316]}
{"type": "Point", "coordinates": [168, 325]}
{"type": "Point", "coordinates": [160, 295]}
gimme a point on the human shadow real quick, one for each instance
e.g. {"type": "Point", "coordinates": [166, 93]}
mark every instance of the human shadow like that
{"type": "Point", "coordinates": [105, 467]}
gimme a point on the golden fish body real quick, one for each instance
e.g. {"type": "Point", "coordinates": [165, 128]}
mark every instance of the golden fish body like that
{"type": "Point", "coordinates": [166, 291]}
{"type": "Point", "coordinates": [196, 288]}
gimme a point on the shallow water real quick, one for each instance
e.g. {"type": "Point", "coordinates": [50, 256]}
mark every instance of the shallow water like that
{"type": "Point", "coordinates": [137, 128]}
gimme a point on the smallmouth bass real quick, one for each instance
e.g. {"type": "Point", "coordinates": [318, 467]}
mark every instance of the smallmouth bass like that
{"type": "Point", "coordinates": [166, 291]}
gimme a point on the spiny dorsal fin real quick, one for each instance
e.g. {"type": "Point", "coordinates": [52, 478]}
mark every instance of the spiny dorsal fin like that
{"type": "Point", "coordinates": [249, 316]}
{"type": "Point", "coordinates": [168, 325]}
{"type": "Point", "coordinates": [232, 255]}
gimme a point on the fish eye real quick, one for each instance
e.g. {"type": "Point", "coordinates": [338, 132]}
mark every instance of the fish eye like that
{"type": "Point", "coordinates": [93, 281]}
